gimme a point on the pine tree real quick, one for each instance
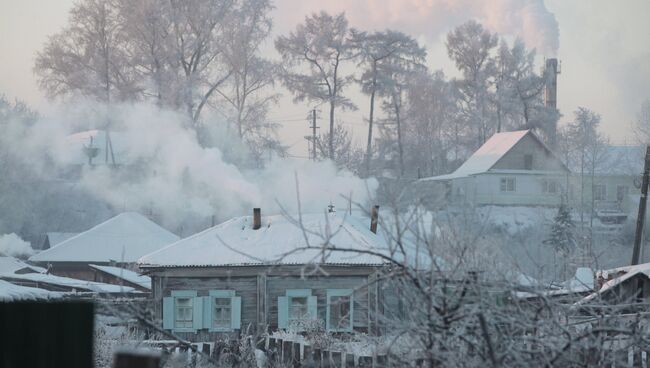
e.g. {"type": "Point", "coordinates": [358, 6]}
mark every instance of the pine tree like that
{"type": "Point", "coordinates": [562, 237]}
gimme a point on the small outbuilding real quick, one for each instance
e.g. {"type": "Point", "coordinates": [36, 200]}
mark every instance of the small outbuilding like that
{"type": "Point", "coordinates": [118, 241]}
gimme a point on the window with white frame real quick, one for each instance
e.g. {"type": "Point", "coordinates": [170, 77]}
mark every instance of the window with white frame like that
{"type": "Point", "coordinates": [340, 305]}
{"type": "Point", "coordinates": [600, 192]}
{"type": "Point", "coordinates": [528, 162]}
{"type": "Point", "coordinates": [183, 312]}
{"type": "Point", "coordinates": [221, 313]}
{"type": "Point", "coordinates": [508, 184]}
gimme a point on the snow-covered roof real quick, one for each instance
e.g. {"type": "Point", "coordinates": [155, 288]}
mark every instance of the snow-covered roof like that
{"type": "Point", "coordinates": [629, 272]}
{"type": "Point", "coordinates": [78, 143]}
{"type": "Point", "coordinates": [235, 243]}
{"type": "Point", "coordinates": [486, 156]}
{"type": "Point", "coordinates": [67, 282]}
{"type": "Point", "coordinates": [123, 238]}
{"type": "Point", "coordinates": [12, 265]}
{"type": "Point", "coordinates": [11, 293]}
{"type": "Point", "coordinates": [128, 275]}
{"type": "Point", "coordinates": [55, 238]}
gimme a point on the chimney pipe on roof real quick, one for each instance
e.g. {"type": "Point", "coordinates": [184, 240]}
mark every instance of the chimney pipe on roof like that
{"type": "Point", "coordinates": [257, 218]}
{"type": "Point", "coordinates": [374, 216]}
{"type": "Point", "coordinates": [551, 70]}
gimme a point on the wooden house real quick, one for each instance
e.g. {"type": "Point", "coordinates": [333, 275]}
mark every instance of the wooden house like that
{"type": "Point", "coordinates": [511, 168]}
{"type": "Point", "coordinates": [269, 273]}
{"type": "Point", "coordinates": [119, 241]}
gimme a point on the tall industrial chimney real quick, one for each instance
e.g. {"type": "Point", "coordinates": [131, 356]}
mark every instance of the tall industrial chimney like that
{"type": "Point", "coordinates": [551, 71]}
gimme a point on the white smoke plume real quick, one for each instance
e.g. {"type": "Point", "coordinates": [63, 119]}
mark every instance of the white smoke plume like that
{"type": "Point", "coordinates": [12, 245]}
{"type": "Point", "coordinates": [528, 19]}
{"type": "Point", "coordinates": [165, 171]}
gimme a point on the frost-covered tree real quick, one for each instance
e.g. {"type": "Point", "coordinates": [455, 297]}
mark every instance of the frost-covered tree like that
{"type": "Point", "coordinates": [89, 56]}
{"type": "Point", "coordinates": [247, 94]}
{"type": "Point", "coordinates": [312, 56]}
{"type": "Point", "coordinates": [519, 90]}
{"type": "Point", "coordinates": [587, 146]}
{"type": "Point", "coordinates": [375, 51]}
{"type": "Point", "coordinates": [562, 237]}
{"type": "Point", "coordinates": [471, 48]}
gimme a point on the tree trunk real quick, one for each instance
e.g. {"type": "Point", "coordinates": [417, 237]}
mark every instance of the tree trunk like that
{"type": "Point", "coordinates": [399, 135]}
{"type": "Point", "coordinates": [370, 119]}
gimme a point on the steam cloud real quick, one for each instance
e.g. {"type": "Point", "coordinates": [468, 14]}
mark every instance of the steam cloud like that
{"type": "Point", "coordinates": [528, 19]}
{"type": "Point", "coordinates": [169, 173]}
{"type": "Point", "coordinates": [12, 245]}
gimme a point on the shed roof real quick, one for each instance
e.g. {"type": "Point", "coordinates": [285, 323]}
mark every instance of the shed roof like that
{"type": "Point", "coordinates": [123, 238]}
{"type": "Point", "coordinates": [67, 282]}
{"type": "Point", "coordinates": [11, 293]}
{"type": "Point", "coordinates": [124, 274]}
{"type": "Point", "coordinates": [279, 241]}
{"type": "Point", "coordinates": [13, 265]}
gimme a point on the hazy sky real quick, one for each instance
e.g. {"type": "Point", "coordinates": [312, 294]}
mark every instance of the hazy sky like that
{"type": "Point", "coordinates": [604, 46]}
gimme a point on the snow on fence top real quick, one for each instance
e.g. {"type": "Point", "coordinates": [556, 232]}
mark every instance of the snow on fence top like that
{"type": "Point", "coordinates": [280, 240]}
{"type": "Point", "coordinates": [124, 274]}
{"type": "Point", "coordinates": [11, 293]}
{"type": "Point", "coordinates": [486, 156]}
{"type": "Point", "coordinates": [123, 238]}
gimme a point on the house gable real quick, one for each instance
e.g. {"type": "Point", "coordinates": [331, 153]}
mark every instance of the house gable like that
{"type": "Point", "coordinates": [529, 153]}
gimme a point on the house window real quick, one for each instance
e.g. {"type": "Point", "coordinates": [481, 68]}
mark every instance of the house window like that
{"type": "Point", "coordinates": [225, 310]}
{"type": "Point", "coordinates": [528, 162]}
{"type": "Point", "coordinates": [339, 310]}
{"type": "Point", "coordinates": [508, 185]}
{"type": "Point", "coordinates": [621, 192]}
{"type": "Point", "coordinates": [298, 308]}
{"type": "Point", "coordinates": [183, 313]}
{"type": "Point", "coordinates": [600, 192]}
{"type": "Point", "coordinates": [550, 186]}
{"type": "Point", "coordinates": [221, 313]}
{"type": "Point", "coordinates": [296, 305]}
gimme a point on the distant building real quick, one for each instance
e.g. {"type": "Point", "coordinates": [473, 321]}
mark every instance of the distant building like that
{"type": "Point", "coordinates": [119, 241]}
{"type": "Point", "coordinates": [237, 274]}
{"type": "Point", "coordinates": [518, 169]}
{"type": "Point", "coordinates": [512, 168]}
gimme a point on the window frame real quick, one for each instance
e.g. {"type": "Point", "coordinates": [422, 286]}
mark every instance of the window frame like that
{"type": "Point", "coordinates": [184, 294]}
{"type": "Point", "coordinates": [339, 293]}
{"type": "Point", "coordinates": [618, 192]}
{"type": "Point", "coordinates": [312, 306]}
{"type": "Point", "coordinates": [546, 186]}
{"type": "Point", "coordinates": [505, 180]}
{"type": "Point", "coordinates": [221, 294]}
{"type": "Point", "coordinates": [604, 192]}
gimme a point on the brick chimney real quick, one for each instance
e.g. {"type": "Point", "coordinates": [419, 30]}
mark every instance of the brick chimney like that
{"type": "Point", "coordinates": [257, 218]}
{"type": "Point", "coordinates": [374, 217]}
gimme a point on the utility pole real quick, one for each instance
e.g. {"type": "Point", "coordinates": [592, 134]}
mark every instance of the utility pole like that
{"type": "Point", "coordinates": [313, 137]}
{"type": "Point", "coordinates": [640, 219]}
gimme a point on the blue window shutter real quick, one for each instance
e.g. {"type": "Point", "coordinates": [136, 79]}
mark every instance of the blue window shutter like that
{"type": "Point", "coordinates": [168, 313]}
{"type": "Point", "coordinates": [235, 310]}
{"type": "Point", "coordinates": [197, 315]}
{"type": "Point", "coordinates": [207, 312]}
{"type": "Point", "coordinates": [283, 312]}
{"type": "Point", "coordinates": [312, 308]}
